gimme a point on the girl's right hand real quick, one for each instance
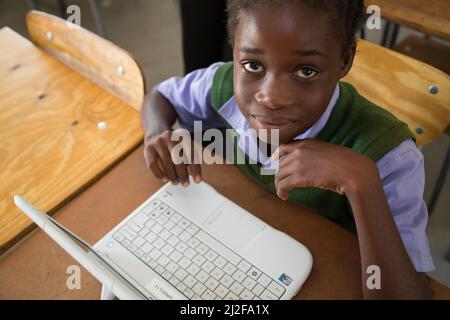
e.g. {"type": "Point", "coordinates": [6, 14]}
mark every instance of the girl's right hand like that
{"type": "Point", "coordinates": [157, 153]}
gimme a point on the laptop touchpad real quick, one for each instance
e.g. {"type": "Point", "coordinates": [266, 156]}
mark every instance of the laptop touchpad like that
{"type": "Point", "coordinates": [231, 225]}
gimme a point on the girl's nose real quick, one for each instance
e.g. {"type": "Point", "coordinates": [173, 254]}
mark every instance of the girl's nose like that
{"type": "Point", "coordinates": [274, 93]}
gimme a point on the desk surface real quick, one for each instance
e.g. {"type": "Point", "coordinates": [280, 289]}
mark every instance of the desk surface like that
{"type": "Point", "coordinates": [36, 269]}
{"type": "Point", "coordinates": [50, 145]}
{"type": "Point", "coordinates": [431, 17]}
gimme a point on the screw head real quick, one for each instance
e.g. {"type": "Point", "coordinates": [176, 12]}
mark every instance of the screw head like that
{"type": "Point", "coordinates": [433, 89]}
{"type": "Point", "coordinates": [120, 71]}
{"type": "Point", "coordinates": [420, 130]}
{"type": "Point", "coordinates": [101, 125]}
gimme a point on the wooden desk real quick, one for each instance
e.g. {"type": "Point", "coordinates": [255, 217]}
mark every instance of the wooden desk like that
{"type": "Point", "coordinates": [50, 146]}
{"type": "Point", "coordinates": [431, 17]}
{"type": "Point", "coordinates": [37, 268]}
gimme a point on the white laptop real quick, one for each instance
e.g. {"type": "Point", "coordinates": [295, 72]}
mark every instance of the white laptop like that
{"type": "Point", "coordinates": [188, 243]}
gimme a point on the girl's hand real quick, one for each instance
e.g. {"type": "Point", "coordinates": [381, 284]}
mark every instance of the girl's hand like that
{"type": "Point", "coordinates": [312, 163]}
{"type": "Point", "coordinates": [157, 153]}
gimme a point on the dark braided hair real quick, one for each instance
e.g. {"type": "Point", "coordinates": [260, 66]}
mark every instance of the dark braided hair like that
{"type": "Point", "coordinates": [346, 15]}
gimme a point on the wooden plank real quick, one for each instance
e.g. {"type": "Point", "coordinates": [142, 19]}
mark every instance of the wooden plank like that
{"type": "Point", "coordinates": [428, 51]}
{"type": "Point", "coordinates": [50, 145]}
{"type": "Point", "coordinates": [400, 84]}
{"type": "Point", "coordinates": [99, 60]}
{"type": "Point", "coordinates": [37, 268]}
{"type": "Point", "coordinates": [431, 17]}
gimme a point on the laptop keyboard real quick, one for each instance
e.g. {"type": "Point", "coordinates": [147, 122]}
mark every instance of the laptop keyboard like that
{"type": "Point", "coordinates": [196, 264]}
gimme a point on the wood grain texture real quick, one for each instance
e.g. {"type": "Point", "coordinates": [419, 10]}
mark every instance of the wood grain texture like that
{"type": "Point", "coordinates": [428, 51]}
{"type": "Point", "coordinates": [90, 55]}
{"type": "Point", "coordinates": [400, 84]}
{"type": "Point", "coordinates": [50, 146]}
{"type": "Point", "coordinates": [431, 17]}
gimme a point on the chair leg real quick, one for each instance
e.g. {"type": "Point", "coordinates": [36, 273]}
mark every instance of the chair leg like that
{"type": "Point", "coordinates": [62, 8]}
{"type": "Point", "coordinates": [394, 36]}
{"type": "Point", "coordinates": [386, 31]}
{"type": "Point", "coordinates": [440, 182]}
{"type": "Point", "coordinates": [390, 38]}
{"type": "Point", "coordinates": [363, 33]}
{"type": "Point", "coordinates": [32, 4]}
{"type": "Point", "coordinates": [98, 21]}
{"type": "Point", "coordinates": [447, 255]}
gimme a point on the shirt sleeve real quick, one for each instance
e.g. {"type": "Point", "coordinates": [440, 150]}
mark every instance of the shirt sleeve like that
{"type": "Point", "coordinates": [191, 98]}
{"type": "Point", "coordinates": [403, 177]}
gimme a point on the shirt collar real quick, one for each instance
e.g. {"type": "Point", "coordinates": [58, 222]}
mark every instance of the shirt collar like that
{"type": "Point", "coordinates": [321, 123]}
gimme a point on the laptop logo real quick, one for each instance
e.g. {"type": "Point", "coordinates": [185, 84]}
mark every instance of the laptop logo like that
{"type": "Point", "coordinates": [285, 279]}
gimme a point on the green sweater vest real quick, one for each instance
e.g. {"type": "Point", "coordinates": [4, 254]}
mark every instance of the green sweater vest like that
{"type": "Point", "coordinates": [354, 123]}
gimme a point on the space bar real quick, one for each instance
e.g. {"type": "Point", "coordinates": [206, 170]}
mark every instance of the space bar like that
{"type": "Point", "coordinates": [218, 247]}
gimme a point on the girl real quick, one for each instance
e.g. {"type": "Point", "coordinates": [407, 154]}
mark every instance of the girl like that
{"type": "Point", "coordinates": [339, 154]}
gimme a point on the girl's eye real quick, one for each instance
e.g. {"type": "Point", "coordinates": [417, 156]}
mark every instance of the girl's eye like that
{"type": "Point", "coordinates": [253, 67]}
{"type": "Point", "coordinates": [306, 73]}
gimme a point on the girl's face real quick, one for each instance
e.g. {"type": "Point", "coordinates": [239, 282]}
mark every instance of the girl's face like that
{"type": "Point", "coordinates": [287, 63]}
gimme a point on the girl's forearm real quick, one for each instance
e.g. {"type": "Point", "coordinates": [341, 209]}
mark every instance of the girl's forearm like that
{"type": "Point", "coordinates": [381, 245]}
{"type": "Point", "coordinates": [157, 114]}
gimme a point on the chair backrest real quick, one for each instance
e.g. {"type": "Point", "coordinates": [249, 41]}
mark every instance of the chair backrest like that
{"type": "Point", "coordinates": [413, 91]}
{"type": "Point", "coordinates": [99, 60]}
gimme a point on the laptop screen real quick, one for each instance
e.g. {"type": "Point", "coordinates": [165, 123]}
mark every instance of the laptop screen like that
{"type": "Point", "coordinates": [88, 249]}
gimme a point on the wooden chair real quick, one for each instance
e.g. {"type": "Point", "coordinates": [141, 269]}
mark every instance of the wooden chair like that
{"type": "Point", "coordinates": [414, 91]}
{"type": "Point", "coordinates": [99, 60]}
{"type": "Point", "coordinates": [437, 55]}
{"type": "Point", "coordinates": [427, 50]}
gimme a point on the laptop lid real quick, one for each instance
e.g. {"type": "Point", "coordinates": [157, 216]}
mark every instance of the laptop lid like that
{"type": "Point", "coordinates": [82, 252]}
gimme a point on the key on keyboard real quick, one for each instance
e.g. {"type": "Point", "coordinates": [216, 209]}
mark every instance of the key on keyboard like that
{"type": "Point", "coordinates": [193, 262]}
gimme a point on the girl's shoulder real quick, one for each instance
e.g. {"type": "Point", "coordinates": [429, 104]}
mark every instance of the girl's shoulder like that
{"type": "Point", "coordinates": [222, 87]}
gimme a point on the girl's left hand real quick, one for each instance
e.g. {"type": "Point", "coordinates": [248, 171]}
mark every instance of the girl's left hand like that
{"type": "Point", "coordinates": [313, 163]}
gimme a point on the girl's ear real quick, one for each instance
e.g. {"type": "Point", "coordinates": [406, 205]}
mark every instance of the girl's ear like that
{"type": "Point", "coordinates": [347, 60]}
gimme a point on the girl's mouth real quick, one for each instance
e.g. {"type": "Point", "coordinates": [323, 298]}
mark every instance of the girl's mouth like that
{"type": "Point", "coordinates": [270, 124]}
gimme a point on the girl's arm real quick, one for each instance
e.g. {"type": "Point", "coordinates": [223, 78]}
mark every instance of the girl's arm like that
{"type": "Point", "coordinates": [311, 163]}
{"type": "Point", "coordinates": [379, 241]}
{"type": "Point", "coordinates": [158, 116]}
{"type": "Point", "coordinates": [188, 100]}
